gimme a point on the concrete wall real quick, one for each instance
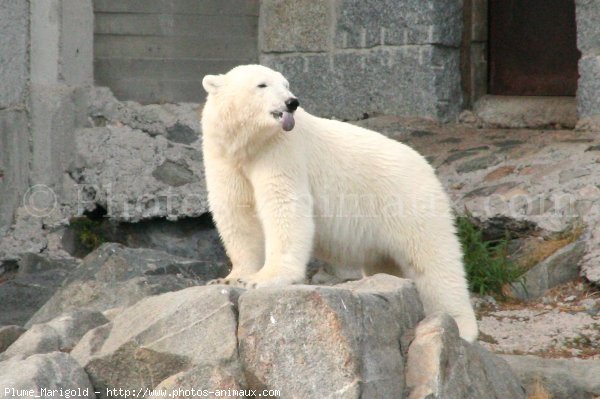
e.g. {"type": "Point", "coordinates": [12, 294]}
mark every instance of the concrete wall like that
{"type": "Point", "coordinates": [345, 58]}
{"type": "Point", "coordinates": [588, 42]}
{"type": "Point", "coordinates": [14, 129]}
{"type": "Point", "coordinates": [45, 70]}
{"type": "Point", "coordinates": [155, 51]}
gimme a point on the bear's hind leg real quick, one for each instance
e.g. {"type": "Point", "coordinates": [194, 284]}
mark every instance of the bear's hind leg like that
{"type": "Point", "coordinates": [442, 286]}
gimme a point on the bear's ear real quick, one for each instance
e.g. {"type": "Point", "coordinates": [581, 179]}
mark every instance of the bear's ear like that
{"type": "Point", "coordinates": [212, 83]}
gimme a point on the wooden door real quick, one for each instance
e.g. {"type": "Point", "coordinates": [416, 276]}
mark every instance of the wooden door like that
{"type": "Point", "coordinates": [532, 47]}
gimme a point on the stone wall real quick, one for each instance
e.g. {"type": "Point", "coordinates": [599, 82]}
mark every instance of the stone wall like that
{"type": "Point", "coordinates": [155, 51]}
{"type": "Point", "coordinates": [588, 42]}
{"type": "Point", "coordinates": [45, 65]}
{"type": "Point", "coordinates": [345, 58]}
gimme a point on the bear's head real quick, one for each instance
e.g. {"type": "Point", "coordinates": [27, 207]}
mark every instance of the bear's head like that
{"type": "Point", "coordinates": [252, 95]}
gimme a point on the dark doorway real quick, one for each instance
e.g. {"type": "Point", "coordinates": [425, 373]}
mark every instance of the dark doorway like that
{"type": "Point", "coordinates": [532, 47]}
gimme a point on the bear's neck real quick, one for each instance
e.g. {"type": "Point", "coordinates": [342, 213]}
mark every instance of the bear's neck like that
{"type": "Point", "coordinates": [240, 142]}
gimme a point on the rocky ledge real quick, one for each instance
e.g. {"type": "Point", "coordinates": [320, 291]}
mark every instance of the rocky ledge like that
{"type": "Point", "coordinates": [111, 325]}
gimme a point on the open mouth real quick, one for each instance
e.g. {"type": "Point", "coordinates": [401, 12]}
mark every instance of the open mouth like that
{"type": "Point", "coordinates": [285, 118]}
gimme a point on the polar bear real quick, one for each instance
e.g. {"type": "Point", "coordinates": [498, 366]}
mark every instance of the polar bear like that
{"type": "Point", "coordinates": [284, 185]}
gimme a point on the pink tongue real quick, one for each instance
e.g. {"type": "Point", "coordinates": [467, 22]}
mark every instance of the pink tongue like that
{"type": "Point", "coordinates": [288, 121]}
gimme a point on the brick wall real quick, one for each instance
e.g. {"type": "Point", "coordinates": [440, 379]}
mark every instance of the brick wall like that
{"type": "Point", "coordinates": [155, 51]}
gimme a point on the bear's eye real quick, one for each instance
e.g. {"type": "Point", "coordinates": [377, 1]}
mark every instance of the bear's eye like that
{"type": "Point", "coordinates": [262, 85]}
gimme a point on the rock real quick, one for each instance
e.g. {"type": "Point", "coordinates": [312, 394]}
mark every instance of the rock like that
{"type": "Point", "coordinates": [164, 335]}
{"type": "Point", "coordinates": [59, 334]}
{"type": "Point", "coordinates": [195, 238]}
{"type": "Point", "coordinates": [486, 191]}
{"type": "Point", "coordinates": [24, 236]}
{"type": "Point", "coordinates": [317, 342]}
{"type": "Point", "coordinates": [560, 267]}
{"type": "Point", "coordinates": [36, 279]}
{"type": "Point", "coordinates": [224, 378]}
{"type": "Point", "coordinates": [136, 176]}
{"type": "Point", "coordinates": [455, 156]}
{"type": "Point", "coordinates": [8, 335]}
{"type": "Point", "coordinates": [115, 276]}
{"type": "Point", "coordinates": [571, 174]}
{"type": "Point", "coordinates": [499, 173]}
{"type": "Point", "coordinates": [562, 378]}
{"type": "Point", "coordinates": [591, 306]}
{"type": "Point", "coordinates": [180, 123]}
{"type": "Point", "coordinates": [174, 174]}
{"type": "Point", "coordinates": [474, 164]}
{"type": "Point", "coordinates": [49, 375]}
{"type": "Point", "coordinates": [441, 365]}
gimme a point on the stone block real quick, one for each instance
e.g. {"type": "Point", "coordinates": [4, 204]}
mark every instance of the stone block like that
{"type": "Point", "coordinates": [421, 81]}
{"type": "Point", "coordinates": [62, 42]}
{"type": "Point", "coordinates": [368, 23]}
{"type": "Point", "coordinates": [588, 89]}
{"type": "Point", "coordinates": [14, 52]}
{"type": "Point", "coordinates": [286, 26]}
{"type": "Point", "coordinates": [204, 7]}
{"type": "Point", "coordinates": [205, 28]}
{"type": "Point", "coordinates": [77, 42]}
{"type": "Point", "coordinates": [14, 162]}
{"type": "Point", "coordinates": [588, 35]}
{"type": "Point", "coordinates": [55, 112]}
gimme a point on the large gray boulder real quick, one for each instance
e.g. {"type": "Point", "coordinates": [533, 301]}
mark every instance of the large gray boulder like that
{"type": "Point", "coordinates": [560, 267]}
{"type": "Point", "coordinates": [59, 334]}
{"type": "Point", "coordinates": [317, 342]}
{"type": "Point", "coordinates": [35, 278]}
{"type": "Point", "coordinates": [562, 378]}
{"type": "Point", "coordinates": [164, 335]}
{"type": "Point", "coordinates": [46, 375]}
{"type": "Point", "coordinates": [117, 276]}
{"type": "Point", "coordinates": [441, 365]}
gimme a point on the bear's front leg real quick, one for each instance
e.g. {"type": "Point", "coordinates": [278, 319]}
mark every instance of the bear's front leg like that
{"type": "Point", "coordinates": [285, 209]}
{"type": "Point", "coordinates": [232, 205]}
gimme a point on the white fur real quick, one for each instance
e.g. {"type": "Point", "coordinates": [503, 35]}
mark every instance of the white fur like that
{"type": "Point", "coordinates": [345, 194]}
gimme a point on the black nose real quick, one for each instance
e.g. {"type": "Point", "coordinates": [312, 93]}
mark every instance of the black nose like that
{"type": "Point", "coordinates": [292, 104]}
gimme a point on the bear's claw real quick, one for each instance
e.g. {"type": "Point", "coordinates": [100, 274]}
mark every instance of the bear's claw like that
{"type": "Point", "coordinates": [234, 282]}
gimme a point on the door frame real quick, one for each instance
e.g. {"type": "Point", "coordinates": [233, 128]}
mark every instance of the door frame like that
{"type": "Point", "coordinates": [474, 75]}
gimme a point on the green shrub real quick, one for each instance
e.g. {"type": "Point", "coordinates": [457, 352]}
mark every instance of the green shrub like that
{"type": "Point", "coordinates": [88, 233]}
{"type": "Point", "coordinates": [486, 262]}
